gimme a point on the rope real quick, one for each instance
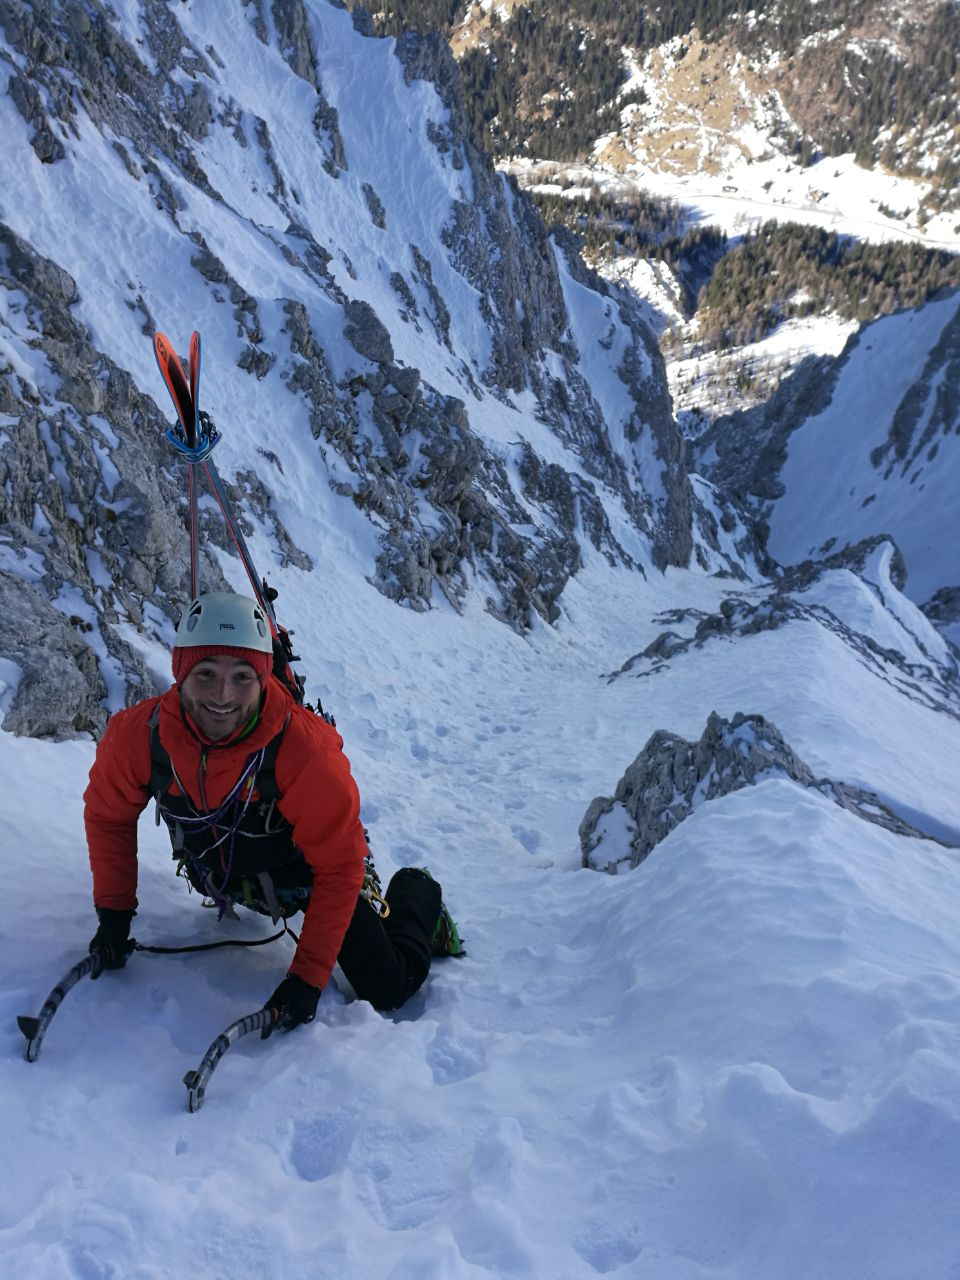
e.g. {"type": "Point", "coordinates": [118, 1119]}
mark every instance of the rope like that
{"type": "Point", "coordinates": [212, 946]}
{"type": "Point", "coordinates": [211, 820]}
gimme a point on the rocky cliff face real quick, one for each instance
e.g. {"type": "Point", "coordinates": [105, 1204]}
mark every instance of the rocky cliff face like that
{"type": "Point", "coordinates": [858, 446]}
{"type": "Point", "coordinates": [86, 535]}
{"type": "Point", "coordinates": [307, 195]}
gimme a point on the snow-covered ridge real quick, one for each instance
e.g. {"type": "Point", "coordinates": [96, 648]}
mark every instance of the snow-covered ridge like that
{"type": "Point", "coordinates": [860, 609]}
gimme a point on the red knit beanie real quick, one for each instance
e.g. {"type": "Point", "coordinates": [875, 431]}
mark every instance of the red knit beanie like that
{"type": "Point", "coordinates": [185, 659]}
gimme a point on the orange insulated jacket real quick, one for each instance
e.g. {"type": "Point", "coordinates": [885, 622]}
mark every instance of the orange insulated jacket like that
{"type": "Point", "coordinates": [317, 796]}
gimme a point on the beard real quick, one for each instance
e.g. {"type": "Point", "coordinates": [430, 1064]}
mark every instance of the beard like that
{"type": "Point", "coordinates": [219, 720]}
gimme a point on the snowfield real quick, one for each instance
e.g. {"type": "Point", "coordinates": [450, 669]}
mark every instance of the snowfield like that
{"type": "Point", "coordinates": [830, 477]}
{"type": "Point", "coordinates": [739, 1059]}
{"type": "Point", "coordinates": [834, 193]}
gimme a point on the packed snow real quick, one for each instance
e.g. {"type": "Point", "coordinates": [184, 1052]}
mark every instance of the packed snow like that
{"type": "Point", "coordinates": [738, 1060]}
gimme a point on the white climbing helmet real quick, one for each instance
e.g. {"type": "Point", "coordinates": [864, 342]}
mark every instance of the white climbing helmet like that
{"type": "Point", "coordinates": [222, 618]}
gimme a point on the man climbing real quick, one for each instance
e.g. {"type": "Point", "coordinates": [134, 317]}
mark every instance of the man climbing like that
{"type": "Point", "coordinates": [262, 811]}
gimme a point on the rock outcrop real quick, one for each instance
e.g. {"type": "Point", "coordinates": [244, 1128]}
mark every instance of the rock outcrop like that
{"type": "Point", "coordinates": [671, 777]}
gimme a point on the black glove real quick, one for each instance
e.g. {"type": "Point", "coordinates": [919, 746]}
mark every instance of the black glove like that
{"type": "Point", "coordinates": [111, 942]}
{"type": "Point", "coordinates": [295, 1002]}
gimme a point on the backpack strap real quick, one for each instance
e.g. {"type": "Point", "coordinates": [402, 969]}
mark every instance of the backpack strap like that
{"type": "Point", "coordinates": [161, 768]}
{"type": "Point", "coordinates": [266, 779]}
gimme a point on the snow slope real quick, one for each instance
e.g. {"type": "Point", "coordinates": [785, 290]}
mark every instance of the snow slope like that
{"type": "Point", "coordinates": [240, 229]}
{"type": "Point", "coordinates": [706, 384]}
{"type": "Point", "coordinates": [738, 1060]}
{"type": "Point", "coordinates": [834, 483]}
{"type": "Point", "coordinates": [53, 210]}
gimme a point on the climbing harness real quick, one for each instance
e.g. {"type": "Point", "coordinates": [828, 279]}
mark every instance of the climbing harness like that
{"type": "Point", "coordinates": [259, 866]}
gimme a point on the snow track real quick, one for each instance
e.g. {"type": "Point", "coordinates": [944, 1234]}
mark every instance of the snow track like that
{"type": "Point", "coordinates": [738, 1060]}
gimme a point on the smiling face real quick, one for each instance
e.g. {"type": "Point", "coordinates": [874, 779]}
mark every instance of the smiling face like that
{"type": "Point", "coordinates": [221, 694]}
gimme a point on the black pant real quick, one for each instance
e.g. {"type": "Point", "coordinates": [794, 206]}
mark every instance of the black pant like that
{"type": "Point", "coordinates": [387, 960]}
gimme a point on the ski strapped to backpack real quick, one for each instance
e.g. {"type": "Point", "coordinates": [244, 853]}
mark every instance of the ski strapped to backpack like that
{"type": "Point", "coordinates": [194, 437]}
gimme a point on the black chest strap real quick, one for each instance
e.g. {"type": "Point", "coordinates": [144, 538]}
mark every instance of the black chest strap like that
{"type": "Point", "coordinates": [161, 766]}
